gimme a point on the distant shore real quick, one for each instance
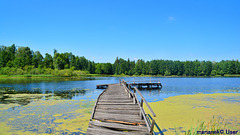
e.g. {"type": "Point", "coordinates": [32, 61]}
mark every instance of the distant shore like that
{"type": "Point", "coordinates": [104, 75]}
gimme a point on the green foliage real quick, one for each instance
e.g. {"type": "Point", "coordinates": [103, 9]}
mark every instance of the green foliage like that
{"type": "Point", "coordinates": [216, 124]}
{"type": "Point", "coordinates": [22, 60]}
{"type": "Point", "coordinates": [48, 61]}
{"type": "Point", "coordinates": [213, 73]}
{"type": "Point", "coordinates": [167, 73]}
{"type": "Point", "coordinates": [99, 69]}
{"type": "Point", "coordinates": [23, 57]}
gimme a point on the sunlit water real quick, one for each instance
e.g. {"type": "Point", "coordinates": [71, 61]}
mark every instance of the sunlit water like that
{"type": "Point", "coordinates": [68, 113]}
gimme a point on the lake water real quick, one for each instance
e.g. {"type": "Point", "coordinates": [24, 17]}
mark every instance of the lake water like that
{"type": "Point", "coordinates": [84, 92]}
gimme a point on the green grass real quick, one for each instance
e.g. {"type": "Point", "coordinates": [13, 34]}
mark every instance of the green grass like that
{"type": "Point", "coordinates": [103, 75]}
{"type": "Point", "coordinates": [234, 75]}
{"type": "Point", "coordinates": [216, 124]}
{"type": "Point", "coordinates": [25, 75]}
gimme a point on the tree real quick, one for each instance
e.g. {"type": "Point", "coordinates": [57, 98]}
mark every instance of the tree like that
{"type": "Point", "coordinates": [23, 57]}
{"type": "Point", "coordinates": [91, 67]}
{"type": "Point", "coordinates": [107, 68]}
{"type": "Point", "coordinates": [154, 67]}
{"type": "Point", "coordinates": [167, 73]}
{"type": "Point", "coordinates": [99, 69]}
{"type": "Point", "coordinates": [37, 59]}
{"type": "Point", "coordinates": [48, 61]}
{"type": "Point", "coordinates": [208, 68]}
{"type": "Point", "coordinates": [7, 55]}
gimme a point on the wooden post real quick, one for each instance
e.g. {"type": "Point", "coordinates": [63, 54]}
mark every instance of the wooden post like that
{"type": "Point", "coordinates": [152, 126]}
{"type": "Point", "coordinates": [134, 98]}
{"type": "Point", "coordinates": [141, 104]}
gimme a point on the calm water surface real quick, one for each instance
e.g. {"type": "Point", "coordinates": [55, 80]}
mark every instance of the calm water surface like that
{"type": "Point", "coordinates": [171, 86]}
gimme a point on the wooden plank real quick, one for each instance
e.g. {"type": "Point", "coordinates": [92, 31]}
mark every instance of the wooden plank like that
{"type": "Point", "coordinates": [118, 117]}
{"type": "Point", "coordinates": [109, 103]}
{"type": "Point", "coordinates": [119, 107]}
{"type": "Point", "coordinates": [118, 126]}
{"type": "Point", "coordinates": [94, 130]}
{"type": "Point", "coordinates": [116, 98]}
{"type": "Point", "coordinates": [116, 101]}
{"type": "Point", "coordinates": [112, 111]}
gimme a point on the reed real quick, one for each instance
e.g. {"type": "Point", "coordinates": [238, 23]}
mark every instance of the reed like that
{"type": "Point", "coordinates": [216, 124]}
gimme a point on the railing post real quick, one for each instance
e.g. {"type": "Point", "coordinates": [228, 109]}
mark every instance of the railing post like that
{"type": "Point", "coordinates": [152, 126]}
{"type": "Point", "coordinates": [134, 98]}
{"type": "Point", "coordinates": [141, 104]}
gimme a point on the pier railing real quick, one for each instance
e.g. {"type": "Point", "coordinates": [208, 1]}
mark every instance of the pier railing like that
{"type": "Point", "coordinates": [150, 122]}
{"type": "Point", "coordinates": [150, 81]}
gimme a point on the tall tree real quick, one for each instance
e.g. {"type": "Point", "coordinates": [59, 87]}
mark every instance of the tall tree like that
{"type": "Point", "coordinates": [23, 57]}
{"type": "Point", "coordinates": [37, 59]}
{"type": "Point", "coordinates": [48, 61]}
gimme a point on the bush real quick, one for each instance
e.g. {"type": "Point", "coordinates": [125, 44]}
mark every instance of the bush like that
{"type": "Point", "coordinates": [20, 72]}
{"type": "Point", "coordinates": [79, 73]}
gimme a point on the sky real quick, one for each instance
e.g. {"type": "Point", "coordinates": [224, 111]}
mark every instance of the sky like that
{"type": "Point", "coordinates": [102, 30]}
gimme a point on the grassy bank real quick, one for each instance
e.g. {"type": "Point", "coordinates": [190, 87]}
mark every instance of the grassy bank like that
{"type": "Point", "coordinates": [100, 75]}
{"type": "Point", "coordinates": [25, 75]}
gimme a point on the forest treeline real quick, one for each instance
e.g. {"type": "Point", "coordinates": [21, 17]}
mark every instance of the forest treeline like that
{"type": "Point", "coordinates": [22, 60]}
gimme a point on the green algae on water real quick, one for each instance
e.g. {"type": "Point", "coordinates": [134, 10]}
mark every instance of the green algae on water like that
{"type": "Point", "coordinates": [46, 117]}
{"type": "Point", "coordinates": [185, 111]}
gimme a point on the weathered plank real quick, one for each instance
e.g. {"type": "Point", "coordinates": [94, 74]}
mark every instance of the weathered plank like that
{"type": "Point", "coordinates": [116, 101]}
{"type": "Point", "coordinates": [120, 97]}
{"type": "Point", "coordinates": [119, 107]}
{"type": "Point", "coordinates": [112, 111]}
{"type": "Point", "coordinates": [118, 117]}
{"type": "Point", "coordinates": [94, 130]}
{"type": "Point", "coordinates": [118, 126]}
{"type": "Point", "coordinates": [110, 103]}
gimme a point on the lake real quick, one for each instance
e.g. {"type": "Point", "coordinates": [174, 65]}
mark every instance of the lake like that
{"type": "Point", "coordinates": [63, 106]}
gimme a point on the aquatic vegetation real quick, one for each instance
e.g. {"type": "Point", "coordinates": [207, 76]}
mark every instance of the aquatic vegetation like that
{"type": "Point", "coordinates": [23, 97]}
{"type": "Point", "coordinates": [68, 94]}
{"type": "Point", "coordinates": [216, 124]}
{"type": "Point", "coordinates": [46, 117]}
{"type": "Point", "coordinates": [183, 113]}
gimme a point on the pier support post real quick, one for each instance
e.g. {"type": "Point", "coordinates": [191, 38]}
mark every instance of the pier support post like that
{"type": "Point", "coordinates": [152, 126]}
{"type": "Point", "coordinates": [141, 104]}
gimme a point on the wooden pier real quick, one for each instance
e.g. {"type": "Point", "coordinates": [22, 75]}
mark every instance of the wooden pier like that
{"type": "Point", "coordinates": [102, 86]}
{"type": "Point", "coordinates": [145, 85]}
{"type": "Point", "coordinates": [118, 111]}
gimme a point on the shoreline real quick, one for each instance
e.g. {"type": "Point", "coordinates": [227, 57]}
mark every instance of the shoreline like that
{"type": "Point", "coordinates": [106, 75]}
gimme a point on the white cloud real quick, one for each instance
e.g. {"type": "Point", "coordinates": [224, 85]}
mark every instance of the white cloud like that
{"type": "Point", "coordinates": [97, 57]}
{"type": "Point", "coordinates": [135, 58]}
{"type": "Point", "coordinates": [171, 18]}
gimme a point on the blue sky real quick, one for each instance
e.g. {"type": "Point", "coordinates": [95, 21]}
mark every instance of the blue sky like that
{"type": "Point", "coordinates": [101, 30]}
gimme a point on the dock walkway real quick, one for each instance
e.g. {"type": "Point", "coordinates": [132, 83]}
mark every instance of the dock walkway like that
{"type": "Point", "coordinates": [118, 111]}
